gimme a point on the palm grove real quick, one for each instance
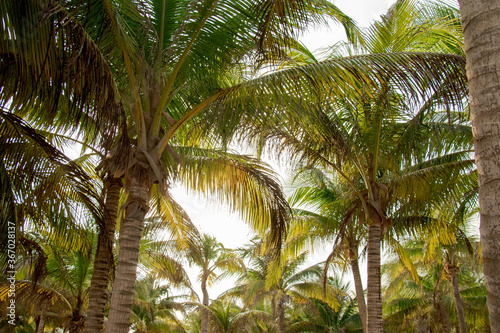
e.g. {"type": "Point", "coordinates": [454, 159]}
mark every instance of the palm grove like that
{"type": "Point", "coordinates": [379, 132]}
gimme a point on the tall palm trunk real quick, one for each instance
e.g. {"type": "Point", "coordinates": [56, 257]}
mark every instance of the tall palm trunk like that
{"type": "Point", "coordinates": [40, 324]}
{"type": "Point", "coordinates": [281, 315]}
{"type": "Point", "coordinates": [98, 292]}
{"type": "Point", "coordinates": [452, 270]}
{"type": "Point", "coordinates": [358, 285]}
{"type": "Point", "coordinates": [138, 188]}
{"type": "Point", "coordinates": [206, 300]}
{"type": "Point", "coordinates": [482, 46]}
{"type": "Point", "coordinates": [374, 299]}
{"type": "Point", "coordinates": [441, 318]}
{"type": "Point", "coordinates": [458, 302]}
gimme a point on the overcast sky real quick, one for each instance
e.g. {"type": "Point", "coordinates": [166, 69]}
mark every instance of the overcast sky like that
{"type": "Point", "coordinates": [362, 11]}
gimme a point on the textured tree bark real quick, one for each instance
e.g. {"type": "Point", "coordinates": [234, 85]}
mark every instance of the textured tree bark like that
{"type": "Point", "coordinates": [373, 295]}
{"type": "Point", "coordinates": [481, 28]}
{"type": "Point", "coordinates": [458, 300]}
{"type": "Point", "coordinates": [138, 187]}
{"type": "Point", "coordinates": [442, 318]}
{"type": "Point", "coordinates": [40, 325]}
{"type": "Point", "coordinates": [281, 315]}
{"type": "Point", "coordinates": [98, 292]}
{"type": "Point", "coordinates": [206, 300]}
{"type": "Point", "coordinates": [358, 286]}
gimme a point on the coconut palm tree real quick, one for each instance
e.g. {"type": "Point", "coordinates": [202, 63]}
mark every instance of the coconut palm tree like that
{"type": "Point", "coordinates": [58, 194]}
{"type": "Point", "coordinates": [331, 216]}
{"type": "Point", "coordinates": [318, 316]}
{"type": "Point", "coordinates": [155, 66]}
{"type": "Point", "coordinates": [482, 59]}
{"type": "Point", "coordinates": [433, 302]}
{"type": "Point", "coordinates": [59, 296]}
{"type": "Point", "coordinates": [215, 262]}
{"type": "Point", "coordinates": [370, 135]}
{"type": "Point", "coordinates": [339, 219]}
{"type": "Point", "coordinates": [153, 307]}
{"type": "Point", "coordinates": [441, 250]}
{"type": "Point", "coordinates": [227, 317]}
{"type": "Point", "coordinates": [43, 192]}
{"type": "Point", "coordinates": [280, 281]}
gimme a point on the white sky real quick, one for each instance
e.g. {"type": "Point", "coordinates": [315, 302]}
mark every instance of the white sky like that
{"type": "Point", "coordinates": [228, 228]}
{"type": "Point", "coordinates": [362, 11]}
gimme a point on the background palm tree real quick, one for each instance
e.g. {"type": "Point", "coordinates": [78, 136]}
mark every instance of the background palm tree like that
{"type": "Point", "coordinates": [280, 282]}
{"type": "Point", "coordinates": [215, 262]}
{"type": "Point", "coordinates": [153, 309]}
{"type": "Point", "coordinates": [430, 303]}
{"type": "Point", "coordinates": [368, 132]}
{"type": "Point", "coordinates": [318, 316]}
{"type": "Point", "coordinates": [331, 216]}
{"type": "Point", "coordinates": [59, 296]}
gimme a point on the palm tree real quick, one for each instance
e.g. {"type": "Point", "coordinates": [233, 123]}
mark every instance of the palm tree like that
{"type": "Point", "coordinates": [103, 257]}
{"type": "Point", "coordinates": [226, 170]}
{"type": "Point", "coordinates": [58, 195]}
{"type": "Point", "coordinates": [43, 192]}
{"type": "Point", "coordinates": [227, 317]}
{"type": "Point", "coordinates": [440, 254]}
{"type": "Point", "coordinates": [482, 59]}
{"type": "Point", "coordinates": [330, 216]}
{"type": "Point", "coordinates": [369, 132]}
{"type": "Point", "coordinates": [318, 316]}
{"type": "Point", "coordinates": [153, 307]}
{"type": "Point", "coordinates": [58, 296]}
{"type": "Point", "coordinates": [281, 281]}
{"type": "Point", "coordinates": [431, 302]}
{"type": "Point", "coordinates": [215, 262]}
{"type": "Point", "coordinates": [155, 66]}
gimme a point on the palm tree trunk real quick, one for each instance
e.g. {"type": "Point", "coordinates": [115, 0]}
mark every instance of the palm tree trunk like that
{"type": "Point", "coordinates": [452, 270]}
{"type": "Point", "coordinates": [482, 45]}
{"type": "Point", "coordinates": [103, 261]}
{"type": "Point", "coordinates": [40, 324]}
{"type": "Point", "coordinates": [206, 300]}
{"type": "Point", "coordinates": [281, 315]}
{"type": "Point", "coordinates": [458, 302]}
{"type": "Point", "coordinates": [374, 299]}
{"type": "Point", "coordinates": [358, 286]}
{"type": "Point", "coordinates": [138, 187]}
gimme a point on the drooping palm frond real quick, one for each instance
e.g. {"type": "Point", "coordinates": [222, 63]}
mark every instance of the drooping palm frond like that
{"type": "Point", "coordinates": [47, 191]}
{"type": "Point", "coordinates": [245, 184]}
{"type": "Point", "coordinates": [44, 67]}
{"type": "Point", "coordinates": [279, 18]}
{"type": "Point", "coordinates": [61, 295]}
{"type": "Point", "coordinates": [297, 90]}
{"type": "Point", "coordinates": [169, 216]}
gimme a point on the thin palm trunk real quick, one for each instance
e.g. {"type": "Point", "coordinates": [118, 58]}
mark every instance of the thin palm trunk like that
{"type": "Point", "coordinates": [458, 302]}
{"type": "Point", "coordinates": [103, 261]}
{"type": "Point", "coordinates": [136, 208]}
{"type": "Point", "coordinates": [442, 318]}
{"type": "Point", "coordinates": [281, 315]}
{"type": "Point", "coordinates": [452, 270]}
{"type": "Point", "coordinates": [40, 325]}
{"type": "Point", "coordinates": [206, 300]}
{"type": "Point", "coordinates": [358, 285]}
{"type": "Point", "coordinates": [481, 37]}
{"type": "Point", "coordinates": [77, 322]}
{"type": "Point", "coordinates": [374, 299]}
